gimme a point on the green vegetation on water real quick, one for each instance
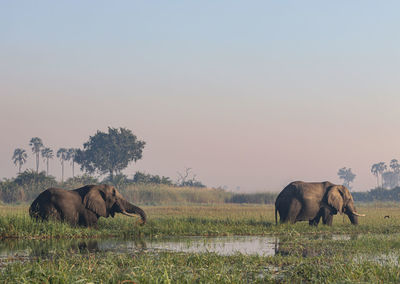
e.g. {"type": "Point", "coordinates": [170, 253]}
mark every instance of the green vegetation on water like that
{"type": "Point", "coordinates": [342, 253]}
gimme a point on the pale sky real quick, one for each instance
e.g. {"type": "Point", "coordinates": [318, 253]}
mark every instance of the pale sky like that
{"type": "Point", "coordinates": [249, 94]}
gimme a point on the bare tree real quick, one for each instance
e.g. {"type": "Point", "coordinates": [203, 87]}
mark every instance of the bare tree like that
{"type": "Point", "coordinates": [188, 179]}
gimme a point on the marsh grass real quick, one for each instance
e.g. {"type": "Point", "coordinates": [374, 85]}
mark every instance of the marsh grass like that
{"type": "Point", "coordinates": [197, 220]}
{"type": "Point", "coordinates": [166, 267]}
{"type": "Point", "coordinates": [157, 194]}
{"type": "Point", "coordinates": [341, 253]}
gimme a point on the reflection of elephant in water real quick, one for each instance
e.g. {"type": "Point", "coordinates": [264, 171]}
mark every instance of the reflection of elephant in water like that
{"type": "Point", "coordinates": [82, 206]}
{"type": "Point", "coordinates": [304, 201]}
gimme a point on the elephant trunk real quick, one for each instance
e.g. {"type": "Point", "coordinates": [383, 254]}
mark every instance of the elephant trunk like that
{"type": "Point", "coordinates": [353, 218]}
{"type": "Point", "coordinates": [353, 215]}
{"type": "Point", "coordinates": [132, 209]}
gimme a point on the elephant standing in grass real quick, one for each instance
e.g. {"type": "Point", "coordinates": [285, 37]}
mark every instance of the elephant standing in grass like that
{"type": "Point", "coordinates": [311, 201]}
{"type": "Point", "coordinates": [82, 206]}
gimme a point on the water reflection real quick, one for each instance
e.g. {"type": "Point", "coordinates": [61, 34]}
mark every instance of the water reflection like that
{"type": "Point", "coordinates": [250, 245]}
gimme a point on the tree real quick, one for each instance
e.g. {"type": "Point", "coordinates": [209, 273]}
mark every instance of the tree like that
{"type": "Point", "coordinates": [347, 176]}
{"type": "Point", "coordinates": [19, 158]}
{"type": "Point", "coordinates": [33, 183]}
{"type": "Point", "coordinates": [377, 170]}
{"type": "Point", "coordinates": [47, 154]}
{"type": "Point", "coordinates": [36, 144]}
{"type": "Point", "coordinates": [109, 152]}
{"type": "Point", "coordinates": [188, 179]}
{"type": "Point", "coordinates": [71, 155]}
{"type": "Point", "coordinates": [395, 166]}
{"type": "Point", "coordinates": [140, 177]}
{"type": "Point", "coordinates": [62, 154]}
{"type": "Point", "coordinates": [389, 179]}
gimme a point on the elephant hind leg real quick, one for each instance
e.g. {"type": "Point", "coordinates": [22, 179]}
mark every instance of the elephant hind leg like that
{"type": "Point", "coordinates": [294, 211]}
{"type": "Point", "coordinates": [317, 219]}
{"type": "Point", "coordinates": [49, 212]}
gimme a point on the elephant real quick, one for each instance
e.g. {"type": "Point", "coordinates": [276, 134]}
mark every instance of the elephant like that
{"type": "Point", "coordinates": [311, 201]}
{"type": "Point", "coordinates": [82, 206]}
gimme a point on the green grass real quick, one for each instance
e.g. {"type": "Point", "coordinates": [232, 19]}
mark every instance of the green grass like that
{"type": "Point", "coordinates": [166, 267]}
{"type": "Point", "coordinates": [196, 220]}
{"type": "Point", "coordinates": [342, 253]}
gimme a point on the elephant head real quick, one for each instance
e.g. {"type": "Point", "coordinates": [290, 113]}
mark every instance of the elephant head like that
{"type": "Point", "coordinates": [340, 199]}
{"type": "Point", "coordinates": [105, 200]}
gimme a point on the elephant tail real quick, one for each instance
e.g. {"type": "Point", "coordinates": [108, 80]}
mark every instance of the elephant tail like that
{"type": "Point", "coordinates": [276, 216]}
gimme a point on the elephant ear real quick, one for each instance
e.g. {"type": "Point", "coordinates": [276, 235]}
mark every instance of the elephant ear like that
{"type": "Point", "coordinates": [335, 199]}
{"type": "Point", "coordinates": [94, 201]}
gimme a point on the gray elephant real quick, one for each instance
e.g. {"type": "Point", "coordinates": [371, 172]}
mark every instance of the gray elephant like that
{"type": "Point", "coordinates": [311, 201]}
{"type": "Point", "coordinates": [82, 206]}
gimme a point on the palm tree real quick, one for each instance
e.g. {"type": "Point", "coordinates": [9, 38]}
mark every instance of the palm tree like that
{"type": "Point", "coordinates": [395, 166]}
{"type": "Point", "coordinates": [377, 170]}
{"type": "Point", "coordinates": [19, 157]}
{"type": "Point", "coordinates": [36, 144]}
{"type": "Point", "coordinates": [47, 154]}
{"type": "Point", "coordinates": [71, 156]}
{"type": "Point", "coordinates": [62, 153]}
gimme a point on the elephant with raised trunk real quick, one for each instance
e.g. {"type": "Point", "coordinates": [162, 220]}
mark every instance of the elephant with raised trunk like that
{"type": "Point", "coordinates": [82, 206]}
{"type": "Point", "coordinates": [311, 201]}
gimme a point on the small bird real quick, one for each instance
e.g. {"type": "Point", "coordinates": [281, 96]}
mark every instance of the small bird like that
{"type": "Point", "coordinates": [387, 216]}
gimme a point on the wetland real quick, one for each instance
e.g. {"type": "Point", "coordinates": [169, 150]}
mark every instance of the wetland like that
{"type": "Point", "coordinates": [201, 243]}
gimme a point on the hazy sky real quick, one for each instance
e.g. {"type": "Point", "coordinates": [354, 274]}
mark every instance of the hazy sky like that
{"type": "Point", "coordinates": [246, 93]}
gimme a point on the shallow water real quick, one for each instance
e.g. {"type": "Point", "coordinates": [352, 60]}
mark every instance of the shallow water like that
{"type": "Point", "coordinates": [221, 245]}
{"type": "Point", "coordinates": [249, 245]}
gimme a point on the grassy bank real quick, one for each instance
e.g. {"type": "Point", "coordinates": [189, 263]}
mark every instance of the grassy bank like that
{"type": "Point", "coordinates": [196, 220]}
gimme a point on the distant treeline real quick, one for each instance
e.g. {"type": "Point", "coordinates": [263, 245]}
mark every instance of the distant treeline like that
{"type": "Point", "coordinates": [378, 194]}
{"type": "Point", "coordinates": [142, 189]}
{"type": "Point", "coordinates": [155, 190]}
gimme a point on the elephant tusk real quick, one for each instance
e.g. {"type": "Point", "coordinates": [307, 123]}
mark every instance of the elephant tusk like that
{"type": "Point", "coordinates": [128, 214]}
{"type": "Point", "coordinates": [357, 214]}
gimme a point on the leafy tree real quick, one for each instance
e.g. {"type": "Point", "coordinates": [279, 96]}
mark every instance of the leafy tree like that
{"type": "Point", "coordinates": [140, 177]}
{"type": "Point", "coordinates": [377, 170]}
{"type": "Point", "coordinates": [62, 154]}
{"type": "Point", "coordinates": [347, 176]}
{"type": "Point", "coordinates": [19, 158]}
{"type": "Point", "coordinates": [33, 183]}
{"type": "Point", "coordinates": [36, 144]}
{"type": "Point", "coordinates": [79, 181]}
{"type": "Point", "coordinates": [10, 192]}
{"type": "Point", "coordinates": [118, 180]}
{"type": "Point", "coordinates": [47, 154]}
{"type": "Point", "coordinates": [71, 155]}
{"type": "Point", "coordinates": [110, 152]}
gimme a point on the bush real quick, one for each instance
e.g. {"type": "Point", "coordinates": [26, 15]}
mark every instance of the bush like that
{"type": "Point", "coordinates": [165, 194]}
{"type": "Point", "coordinates": [258, 198]}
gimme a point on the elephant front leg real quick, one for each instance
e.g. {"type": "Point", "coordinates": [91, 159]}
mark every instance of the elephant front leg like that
{"type": "Point", "coordinates": [327, 218]}
{"type": "Point", "coordinates": [88, 219]}
{"type": "Point", "coordinates": [315, 221]}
